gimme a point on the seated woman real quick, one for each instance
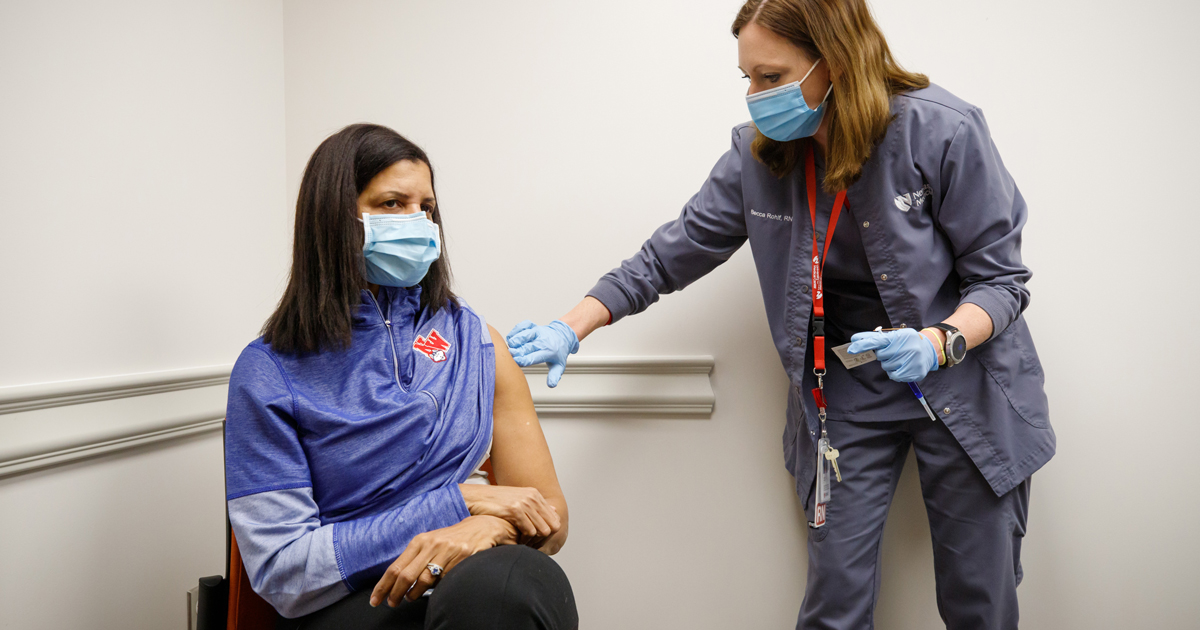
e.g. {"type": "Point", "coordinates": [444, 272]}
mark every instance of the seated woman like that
{"type": "Point", "coordinates": [359, 419]}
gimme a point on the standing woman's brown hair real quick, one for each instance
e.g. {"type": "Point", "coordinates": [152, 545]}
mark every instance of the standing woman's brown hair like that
{"type": "Point", "coordinates": [864, 74]}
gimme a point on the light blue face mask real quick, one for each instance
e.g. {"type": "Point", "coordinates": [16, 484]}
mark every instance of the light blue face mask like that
{"type": "Point", "coordinates": [399, 248]}
{"type": "Point", "coordinates": [782, 114]}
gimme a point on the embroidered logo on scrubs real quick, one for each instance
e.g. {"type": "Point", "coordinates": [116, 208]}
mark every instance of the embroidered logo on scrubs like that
{"type": "Point", "coordinates": [434, 346]}
{"type": "Point", "coordinates": [911, 200]}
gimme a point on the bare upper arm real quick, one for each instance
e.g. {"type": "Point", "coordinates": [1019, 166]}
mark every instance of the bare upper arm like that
{"type": "Point", "coordinates": [520, 455]}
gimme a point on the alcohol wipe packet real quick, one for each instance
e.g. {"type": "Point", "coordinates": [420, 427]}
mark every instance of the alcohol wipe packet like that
{"type": "Point", "coordinates": [853, 360]}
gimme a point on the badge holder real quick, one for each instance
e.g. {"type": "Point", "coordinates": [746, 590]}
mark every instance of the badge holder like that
{"type": "Point", "coordinates": [823, 491]}
{"type": "Point", "coordinates": [826, 459]}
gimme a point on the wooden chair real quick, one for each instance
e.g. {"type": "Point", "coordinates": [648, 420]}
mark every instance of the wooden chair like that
{"type": "Point", "coordinates": [247, 611]}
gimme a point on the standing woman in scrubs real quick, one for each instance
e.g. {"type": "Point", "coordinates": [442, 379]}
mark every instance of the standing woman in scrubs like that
{"type": "Point", "coordinates": [879, 214]}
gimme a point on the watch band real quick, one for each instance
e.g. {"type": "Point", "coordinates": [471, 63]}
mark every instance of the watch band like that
{"type": "Point", "coordinates": [956, 343]}
{"type": "Point", "coordinates": [933, 339]}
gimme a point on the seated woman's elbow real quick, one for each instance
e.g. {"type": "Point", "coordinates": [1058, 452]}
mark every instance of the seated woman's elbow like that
{"type": "Point", "coordinates": [292, 605]}
{"type": "Point", "coordinates": [288, 607]}
{"type": "Point", "coordinates": [555, 543]}
{"type": "Point", "coordinates": [288, 604]}
{"type": "Point", "coordinates": [294, 598]}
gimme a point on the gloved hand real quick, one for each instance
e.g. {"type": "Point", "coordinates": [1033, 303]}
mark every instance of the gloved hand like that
{"type": "Point", "coordinates": [906, 355]}
{"type": "Point", "coordinates": [550, 344]}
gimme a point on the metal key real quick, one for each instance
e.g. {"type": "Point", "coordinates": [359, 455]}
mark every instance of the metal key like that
{"type": "Point", "coordinates": [832, 455]}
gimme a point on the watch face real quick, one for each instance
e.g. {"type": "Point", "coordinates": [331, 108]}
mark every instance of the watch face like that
{"type": "Point", "coordinates": [958, 347]}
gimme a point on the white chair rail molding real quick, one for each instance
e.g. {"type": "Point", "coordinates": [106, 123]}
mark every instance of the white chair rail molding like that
{"type": "Point", "coordinates": [48, 424]}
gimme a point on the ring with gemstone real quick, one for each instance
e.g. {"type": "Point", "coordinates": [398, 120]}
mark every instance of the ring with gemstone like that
{"type": "Point", "coordinates": [434, 570]}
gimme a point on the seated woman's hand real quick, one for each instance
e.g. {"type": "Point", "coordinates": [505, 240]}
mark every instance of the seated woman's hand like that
{"type": "Point", "coordinates": [525, 508]}
{"type": "Point", "coordinates": [409, 577]}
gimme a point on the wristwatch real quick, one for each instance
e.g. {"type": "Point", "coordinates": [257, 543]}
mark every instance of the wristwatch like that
{"type": "Point", "coordinates": [956, 344]}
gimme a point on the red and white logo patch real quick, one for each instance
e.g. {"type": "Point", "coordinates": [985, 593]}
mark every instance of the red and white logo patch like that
{"type": "Point", "coordinates": [434, 346]}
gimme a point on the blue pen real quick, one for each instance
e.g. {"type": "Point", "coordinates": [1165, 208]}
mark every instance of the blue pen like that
{"type": "Point", "coordinates": [921, 397]}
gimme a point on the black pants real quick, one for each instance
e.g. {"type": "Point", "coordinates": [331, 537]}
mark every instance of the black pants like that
{"type": "Point", "coordinates": [513, 587]}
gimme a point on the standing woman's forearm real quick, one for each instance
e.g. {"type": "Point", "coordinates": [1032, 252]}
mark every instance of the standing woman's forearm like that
{"type": "Point", "coordinates": [587, 316]}
{"type": "Point", "coordinates": [972, 321]}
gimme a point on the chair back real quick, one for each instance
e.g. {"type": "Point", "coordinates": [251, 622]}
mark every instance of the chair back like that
{"type": "Point", "coordinates": [247, 611]}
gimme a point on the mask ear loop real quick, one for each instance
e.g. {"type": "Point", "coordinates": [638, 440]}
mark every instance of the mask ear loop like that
{"type": "Point", "coordinates": [810, 71]}
{"type": "Point", "coordinates": [826, 97]}
{"type": "Point", "coordinates": [366, 230]}
{"type": "Point", "coordinates": [826, 94]}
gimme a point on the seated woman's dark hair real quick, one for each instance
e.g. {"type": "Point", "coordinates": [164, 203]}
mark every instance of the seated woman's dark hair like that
{"type": "Point", "coordinates": [328, 272]}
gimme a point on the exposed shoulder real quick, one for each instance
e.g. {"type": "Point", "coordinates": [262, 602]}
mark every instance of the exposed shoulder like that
{"type": "Point", "coordinates": [507, 370]}
{"type": "Point", "coordinates": [500, 343]}
{"type": "Point", "coordinates": [511, 385]}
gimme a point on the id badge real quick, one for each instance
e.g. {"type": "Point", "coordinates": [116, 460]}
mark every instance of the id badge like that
{"type": "Point", "coordinates": [822, 493]}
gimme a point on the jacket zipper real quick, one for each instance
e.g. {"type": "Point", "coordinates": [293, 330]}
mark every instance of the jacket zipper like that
{"type": "Point", "coordinates": [391, 342]}
{"type": "Point", "coordinates": [436, 405]}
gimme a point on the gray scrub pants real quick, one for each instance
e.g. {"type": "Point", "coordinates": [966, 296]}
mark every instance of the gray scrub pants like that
{"type": "Point", "coordinates": [976, 535]}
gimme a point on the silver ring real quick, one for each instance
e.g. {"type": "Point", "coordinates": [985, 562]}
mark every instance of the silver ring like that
{"type": "Point", "coordinates": [434, 570]}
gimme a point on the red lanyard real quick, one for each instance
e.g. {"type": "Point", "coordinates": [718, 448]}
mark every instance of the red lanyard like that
{"type": "Point", "coordinates": [818, 266]}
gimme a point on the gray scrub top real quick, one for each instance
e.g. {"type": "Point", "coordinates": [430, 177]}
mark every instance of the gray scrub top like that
{"type": "Point", "coordinates": [852, 304]}
{"type": "Point", "coordinates": [940, 222]}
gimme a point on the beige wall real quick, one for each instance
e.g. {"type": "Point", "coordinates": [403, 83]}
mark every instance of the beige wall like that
{"type": "Point", "coordinates": [143, 227]}
{"type": "Point", "coordinates": [147, 167]}
{"type": "Point", "coordinates": [141, 184]}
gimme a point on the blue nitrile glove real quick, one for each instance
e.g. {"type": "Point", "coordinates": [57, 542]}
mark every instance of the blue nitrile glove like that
{"type": "Point", "coordinates": [906, 355]}
{"type": "Point", "coordinates": [550, 344]}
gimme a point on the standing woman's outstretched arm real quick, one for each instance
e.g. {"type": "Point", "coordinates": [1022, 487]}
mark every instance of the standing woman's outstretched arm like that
{"type": "Point", "coordinates": [711, 227]}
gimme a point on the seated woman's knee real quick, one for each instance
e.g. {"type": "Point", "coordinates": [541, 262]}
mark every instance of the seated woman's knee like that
{"type": "Point", "coordinates": [520, 583]}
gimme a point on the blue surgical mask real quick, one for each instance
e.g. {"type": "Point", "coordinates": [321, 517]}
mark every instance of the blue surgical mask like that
{"type": "Point", "coordinates": [782, 114]}
{"type": "Point", "coordinates": [399, 248]}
